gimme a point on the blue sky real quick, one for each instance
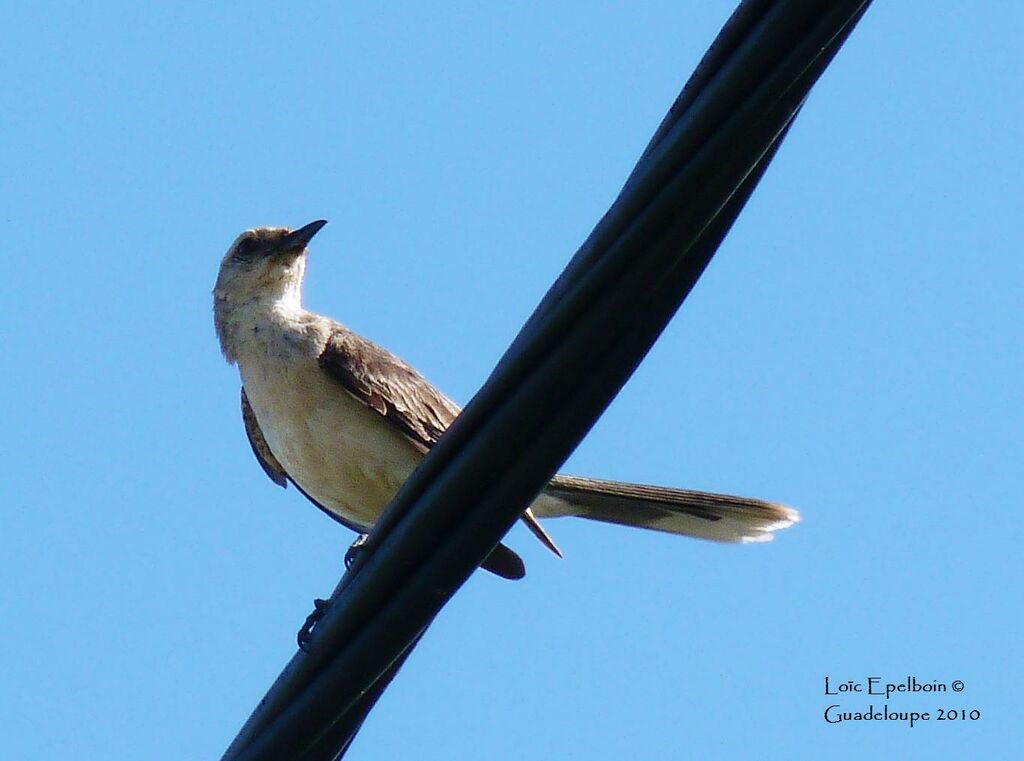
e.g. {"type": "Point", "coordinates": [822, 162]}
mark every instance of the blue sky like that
{"type": "Point", "coordinates": [854, 350]}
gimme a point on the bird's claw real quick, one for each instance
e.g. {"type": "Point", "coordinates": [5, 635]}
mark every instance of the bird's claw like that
{"type": "Point", "coordinates": [320, 607]}
{"type": "Point", "coordinates": [354, 550]}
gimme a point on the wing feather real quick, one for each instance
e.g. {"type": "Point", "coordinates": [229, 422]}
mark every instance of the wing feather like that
{"type": "Point", "coordinates": [383, 382]}
{"type": "Point", "coordinates": [259, 445]}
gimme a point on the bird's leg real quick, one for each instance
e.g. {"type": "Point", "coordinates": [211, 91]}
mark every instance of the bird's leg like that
{"type": "Point", "coordinates": [320, 606]}
{"type": "Point", "coordinates": [354, 550]}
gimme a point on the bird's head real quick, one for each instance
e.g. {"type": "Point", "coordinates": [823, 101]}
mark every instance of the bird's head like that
{"type": "Point", "coordinates": [267, 262]}
{"type": "Point", "coordinates": [264, 266]}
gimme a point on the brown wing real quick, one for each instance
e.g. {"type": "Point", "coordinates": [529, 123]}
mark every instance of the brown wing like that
{"type": "Point", "coordinates": [409, 402]}
{"type": "Point", "coordinates": [388, 385]}
{"type": "Point", "coordinates": [259, 445]}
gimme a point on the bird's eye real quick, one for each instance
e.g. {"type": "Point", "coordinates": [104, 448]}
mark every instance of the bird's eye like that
{"type": "Point", "coordinates": [245, 248]}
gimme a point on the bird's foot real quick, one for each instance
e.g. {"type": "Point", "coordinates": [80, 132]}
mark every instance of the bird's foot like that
{"type": "Point", "coordinates": [320, 606]}
{"type": "Point", "coordinates": [354, 550]}
{"type": "Point", "coordinates": [319, 609]}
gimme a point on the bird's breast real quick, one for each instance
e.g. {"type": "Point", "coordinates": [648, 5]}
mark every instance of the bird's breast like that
{"type": "Point", "coordinates": [338, 450]}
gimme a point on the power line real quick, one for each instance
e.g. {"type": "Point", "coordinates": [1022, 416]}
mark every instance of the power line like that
{"type": "Point", "coordinates": [589, 333]}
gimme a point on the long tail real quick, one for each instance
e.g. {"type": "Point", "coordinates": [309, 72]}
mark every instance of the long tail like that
{"type": "Point", "coordinates": [719, 517]}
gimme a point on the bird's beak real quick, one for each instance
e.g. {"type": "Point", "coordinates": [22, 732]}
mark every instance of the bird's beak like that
{"type": "Point", "coordinates": [297, 240]}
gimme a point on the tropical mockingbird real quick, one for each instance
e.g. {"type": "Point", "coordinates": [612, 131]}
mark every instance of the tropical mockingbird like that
{"type": "Point", "coordinates": [346, 421]}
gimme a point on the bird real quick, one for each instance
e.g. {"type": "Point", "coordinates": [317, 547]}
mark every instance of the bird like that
{"type": "Point", "coordinates": [346, 422]}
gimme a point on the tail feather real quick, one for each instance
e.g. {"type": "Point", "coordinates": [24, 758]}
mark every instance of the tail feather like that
{"type": "Point", "coordinates": [505, 563]}
{"type": "Point", "coordinates": [719, 517]}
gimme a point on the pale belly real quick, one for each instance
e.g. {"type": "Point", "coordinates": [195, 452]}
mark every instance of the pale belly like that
{"type": "Point", "coordinates": [338, 450]}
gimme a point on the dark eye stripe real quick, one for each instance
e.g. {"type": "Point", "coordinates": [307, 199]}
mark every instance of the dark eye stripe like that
{"type": "Point", "coordinates": [246, 248]}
